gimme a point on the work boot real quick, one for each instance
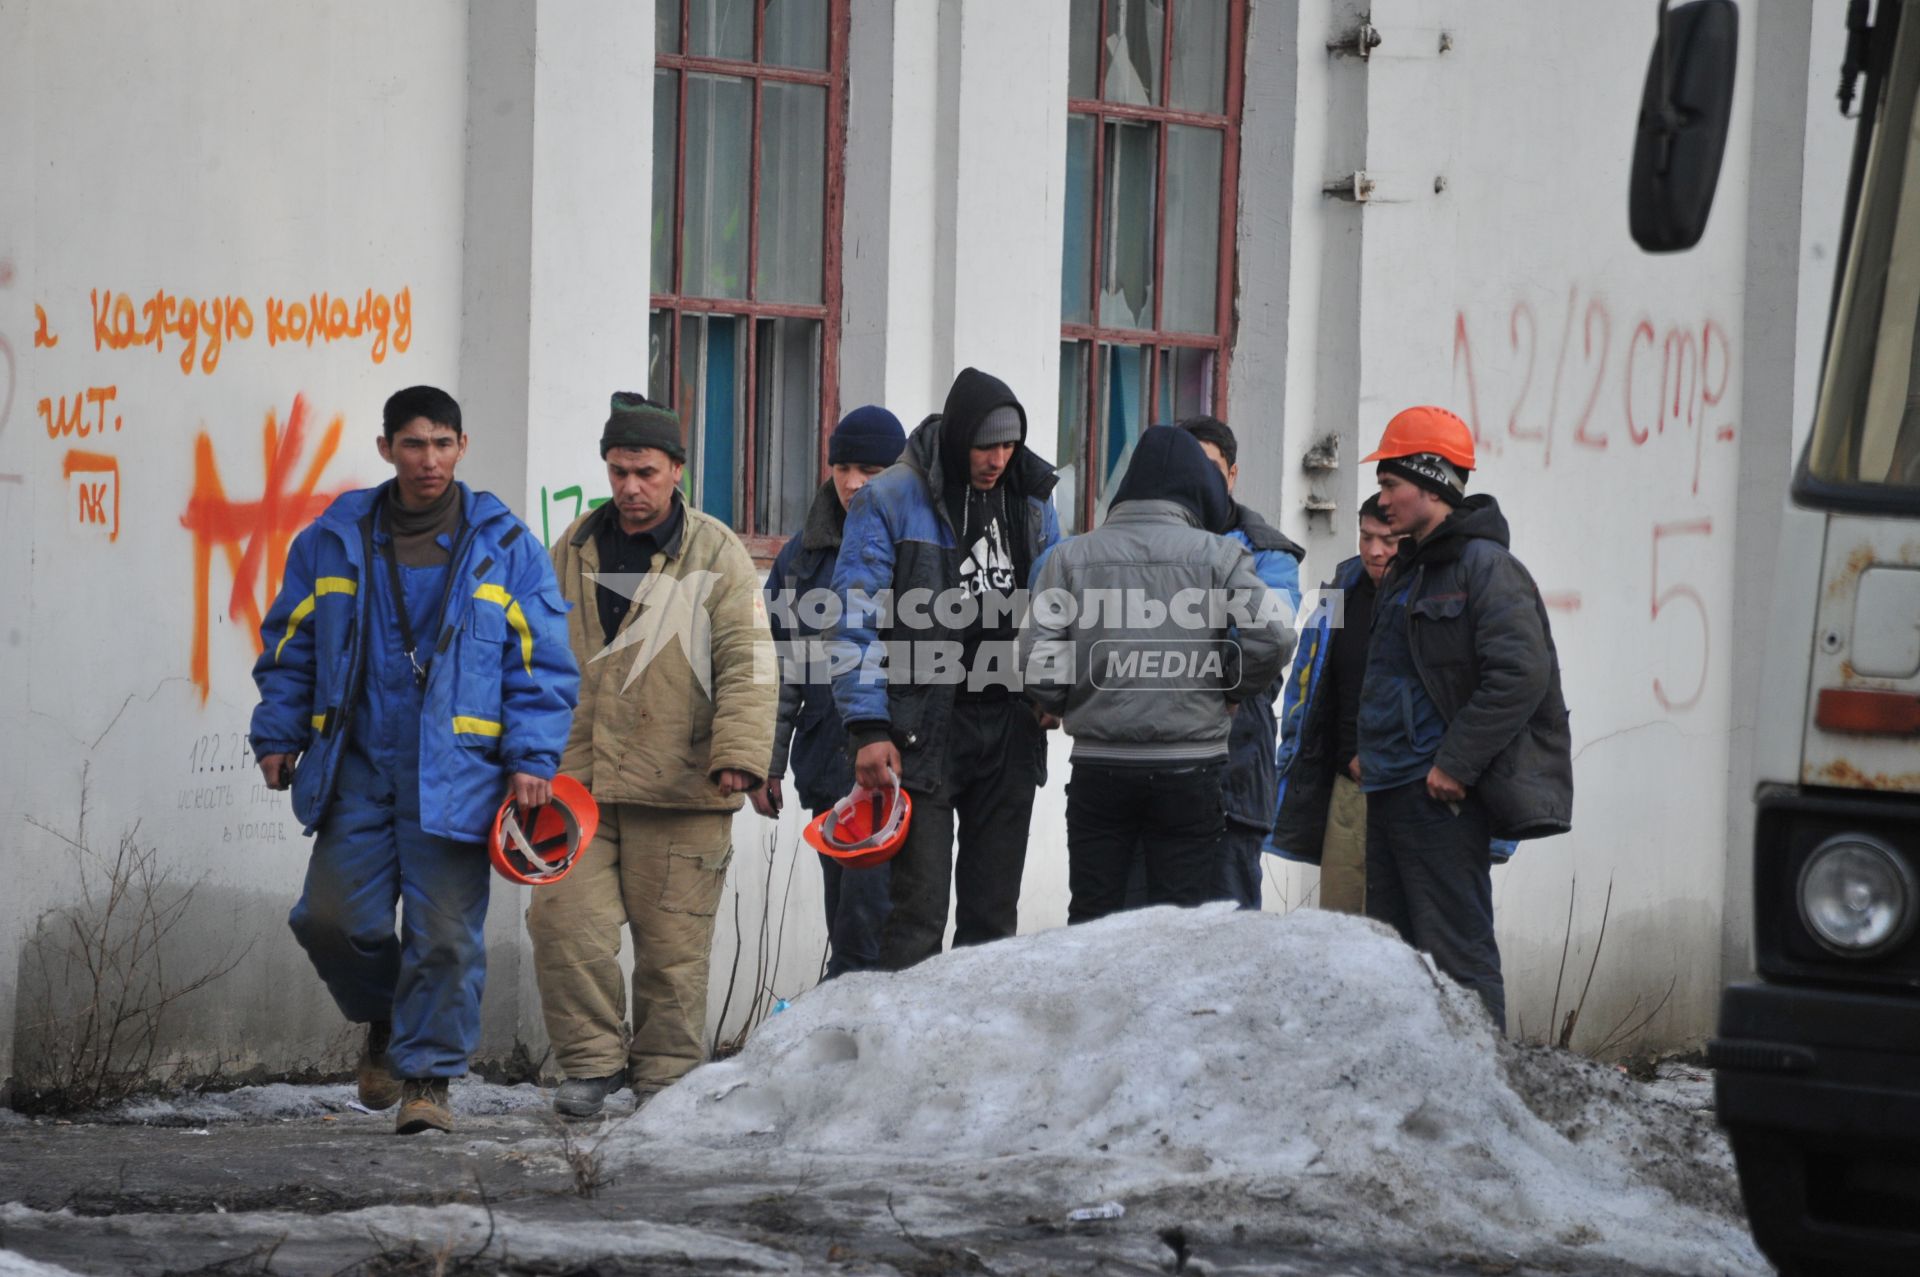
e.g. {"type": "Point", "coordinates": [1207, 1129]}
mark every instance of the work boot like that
{"type": "Point", "coordinates": [379, 1088]}
{"type": "Point", "coordinates": [586, 1096]}
{"type": "Point", "coordinates": [423, 1106]}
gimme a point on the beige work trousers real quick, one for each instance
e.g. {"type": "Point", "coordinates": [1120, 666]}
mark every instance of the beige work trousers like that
{"type": "Point", "coordinates": [660, 873]}
{"type": "Point", "coordinates": [1343, 851]}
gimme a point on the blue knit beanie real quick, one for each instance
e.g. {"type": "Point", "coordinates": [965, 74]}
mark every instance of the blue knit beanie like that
{"type": "Point", "coordinates": [869, 436]}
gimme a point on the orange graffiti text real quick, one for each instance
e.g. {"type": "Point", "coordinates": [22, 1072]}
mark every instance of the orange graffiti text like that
{"type": "Point", "coordinates": [43, 339]}
{"type": "Point", "coordinates": [93, 494]}
{"type": "Point", "coordinates": [64, 416]}
{"type": "Point", "coordinates": [325, 319]}
{"type": "Point", "coordinates": [202, 326]}
{"type": "Point", "coordinates": [253, 536]}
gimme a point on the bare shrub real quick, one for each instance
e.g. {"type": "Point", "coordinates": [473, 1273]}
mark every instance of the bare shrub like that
{"type": "Point", "coordinates": [97, 987]}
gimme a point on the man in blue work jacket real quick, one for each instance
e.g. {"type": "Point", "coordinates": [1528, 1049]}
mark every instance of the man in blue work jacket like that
{"type": "Point", "coordinates": [415, 672]}
{"type": "Point", "coordinates": [1249, 784]}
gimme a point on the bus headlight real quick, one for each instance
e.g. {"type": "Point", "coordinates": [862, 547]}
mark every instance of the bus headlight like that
{"type": "Point", "coordinates": [1858, 897]}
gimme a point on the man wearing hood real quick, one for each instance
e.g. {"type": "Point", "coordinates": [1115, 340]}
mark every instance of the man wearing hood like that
{"type": "Point", "coordinates": [1150, 692]}
{"type": "Point", "coordinates": [808, 731]}
{"type": "Point", "coordinates": [934, 553]}
{"type": "Point", "coordinates": [1462, 729]}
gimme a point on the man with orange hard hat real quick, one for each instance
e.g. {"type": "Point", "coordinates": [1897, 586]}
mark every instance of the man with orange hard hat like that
{"type": "Point", "coordinates": [1462, 730]}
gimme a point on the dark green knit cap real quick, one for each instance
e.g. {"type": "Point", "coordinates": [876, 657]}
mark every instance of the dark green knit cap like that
{"type": "Point", "coordinates": [635, 421]}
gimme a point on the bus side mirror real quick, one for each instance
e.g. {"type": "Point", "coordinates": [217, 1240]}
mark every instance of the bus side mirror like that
{"type": "Point", "coordinates": [1682, 134]}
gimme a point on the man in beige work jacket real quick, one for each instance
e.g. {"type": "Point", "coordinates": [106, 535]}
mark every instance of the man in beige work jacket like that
{"type": "Point", "coordinates": [678, 694]}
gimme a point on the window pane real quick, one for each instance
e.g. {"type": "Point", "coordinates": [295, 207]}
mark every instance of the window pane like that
{"type": "Point", "coordinates": [1076, 253]}
{"type": "Point", "coordinates": [1200, 56]}
{"type": "Point", "coordinates": [721, 29]}
{"type": "Point", "coordinates": [1083, 48]}
{"type": "Point", "coordinates": [787, 382]}
{"type": "Point", "coordinates": [666, 137]}
{"type": "Point", "coordinates": [1186, 384]}
{"type": "Point", "coordinates": [1123, 410]}
{"type": "Point", "coordinates": [713, 364]}
{"type": "Point", "coordinates": [660, 356]}
{"type": "Point", "coordinates": [666, 26]}
{"type": "Point", "coordinates": [793, 184]}
{"type": "Point", "coordinates": [1135, 32]}
{"type": "Point", "coordinates": [1192, 277]}
{"type": "Point", "coordinates": [1071, 457]}
{"type": "Point", "coordinates": [1126, 276]}
{"type": "Point", "coordinates": [714, 238]}
{"type": "Point", "coordinates": [796, 34]}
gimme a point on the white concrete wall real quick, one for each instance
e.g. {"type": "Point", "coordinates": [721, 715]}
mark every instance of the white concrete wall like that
{"type": "Point", "coordinates": [203, 151]}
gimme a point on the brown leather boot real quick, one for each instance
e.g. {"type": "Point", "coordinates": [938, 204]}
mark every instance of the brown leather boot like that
{"type": "Point", "coordinates": [379, 1088]}
{"type": "Point", "coordinates": [423, 1106]}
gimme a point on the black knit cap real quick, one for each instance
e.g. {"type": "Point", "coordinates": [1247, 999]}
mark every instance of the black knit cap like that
{"type": "Point", "coordinates": [1430, 471]}
{"type": "Point", "coordinates": [635, 421]}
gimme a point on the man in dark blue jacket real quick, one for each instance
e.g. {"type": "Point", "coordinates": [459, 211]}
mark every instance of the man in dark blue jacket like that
{"type": "Point", "coordinates": [809, 732]}
{"type": "Point", "coordinates": [1463, 733]}
{"type": "Point", "coordinates": [415, 673]}
{"type": "Point", "coordinates": [1321, 815]}
{"type": "Point", "coordinates": [936, 550]}
{"type": "Point", "coordinates": [1249, 782]}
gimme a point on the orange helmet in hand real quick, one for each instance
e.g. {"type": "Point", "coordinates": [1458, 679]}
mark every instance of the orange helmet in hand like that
{"type": "Point", "coordinates": [864, 829]}
{"type": "Point", "coordinates": [539, 846]}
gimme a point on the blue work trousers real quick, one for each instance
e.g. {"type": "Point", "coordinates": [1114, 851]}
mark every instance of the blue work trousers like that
{"type": "Point", "coordinates": [857, 905]}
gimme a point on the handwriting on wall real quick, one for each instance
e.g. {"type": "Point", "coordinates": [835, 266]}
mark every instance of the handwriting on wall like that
{"type": "Point", "coordinates": [195, 332]}
{"type": "Point", "coordinates": [1577, 387]}
{"type": "Point", "coordinates": [201, 329]}
{"type": "Point", "coordinates": [253, 536]}
{"type": "Point", "coordinates": [561, 507]}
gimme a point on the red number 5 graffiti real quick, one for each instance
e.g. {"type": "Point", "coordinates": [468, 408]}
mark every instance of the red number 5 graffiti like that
{"type": "Point", "coordinates": [1686, 594]}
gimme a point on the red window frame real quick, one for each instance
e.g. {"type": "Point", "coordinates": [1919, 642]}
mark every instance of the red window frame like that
{"type": "Point", "coordinates": [762, 542]}
{"type": "Point", "coordinates": [1095, 334]}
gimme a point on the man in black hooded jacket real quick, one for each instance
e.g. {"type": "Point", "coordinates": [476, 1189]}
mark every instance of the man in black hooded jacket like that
{"type": "Point", "coordinates": [934, 552]}
{"type": "Point", "coordinates": [1463, 733]}
{"type": "Point", "coordinates": [1150, 690]}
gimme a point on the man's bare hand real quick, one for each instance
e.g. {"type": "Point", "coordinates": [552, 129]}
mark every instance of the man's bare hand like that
{"type": "Point", "coordinates": [731, 780]}
{"type": "Point", "coordinates": [531, 791]}
{"type": "Point", "coordinates": [1353, 768]}
{"type": "Point", "coordinates": [1047, 721]}
{"type": "Point", "coordinates": [766, 799]}
{"type": "Point", "coordinates": [1444, 788]}
{"type": "Point", "coordinates": [277, 770]}
{"type": "Point", "coordinates": [875, 766]}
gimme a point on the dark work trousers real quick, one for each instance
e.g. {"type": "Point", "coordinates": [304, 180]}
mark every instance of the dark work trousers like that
{"type": "Point", "coordinates": [1237, 877]}
{"type": "Point", "coordinates": [993, 765]}
{"type": "Point", "coordinates": [1169, 819]}
{"type": "Point", "coordinates": [856, 909]}
{"type": "Point", "coordinates": [1428, 877]}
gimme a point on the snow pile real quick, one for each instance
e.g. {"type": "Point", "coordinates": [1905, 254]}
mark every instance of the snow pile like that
{"type": "Point", "coordinates": [280, 1101]}
{"type": "Point", "coordinates": [1305, 1077]}
{"type": "Point", "coordinates": [14, 1264]}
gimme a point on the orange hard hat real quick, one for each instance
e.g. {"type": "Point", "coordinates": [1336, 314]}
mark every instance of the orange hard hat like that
{"type": "Point", "coordinates": [539, 846]}
{"type": "Point", "coordinates": [1426, 429]}
{"type": "Point", "coordinates": [864, 829]}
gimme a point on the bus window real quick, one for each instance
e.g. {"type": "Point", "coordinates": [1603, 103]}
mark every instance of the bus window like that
{"type": "Point", "coordinates": [1867, 431]}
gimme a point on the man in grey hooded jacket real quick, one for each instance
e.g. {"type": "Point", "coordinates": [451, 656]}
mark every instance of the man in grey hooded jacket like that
{"type": "Point", "coordinates": [1146, 634]}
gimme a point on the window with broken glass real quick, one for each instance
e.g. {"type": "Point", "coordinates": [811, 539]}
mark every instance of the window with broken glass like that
{"type": "Point", "coordinates": [748, 143]}
{"type": "Point", "coordinates": [1153, 145]}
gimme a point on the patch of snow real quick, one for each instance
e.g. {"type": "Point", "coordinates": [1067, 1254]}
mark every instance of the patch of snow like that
{"type": "Point", "coordinates": [13, 1264]}
{"type": "Point", "coordinates": [10, 1117]}
{"type": "Point", "coordinates": [432, 1230]}
{"type": "Point", "coordinates": [281, 1101]}
{"type": "Point", "coordinates": [1208, 1065]}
